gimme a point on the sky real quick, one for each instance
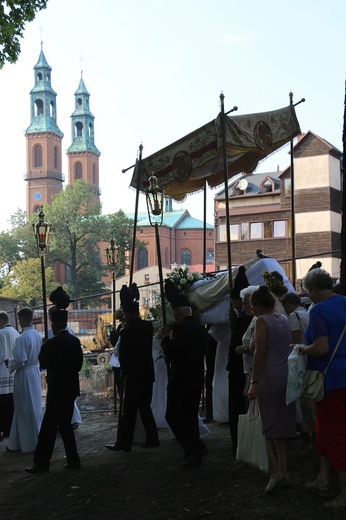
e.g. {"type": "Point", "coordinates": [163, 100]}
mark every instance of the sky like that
{"type": "Point", "coordinates": [155, 71]}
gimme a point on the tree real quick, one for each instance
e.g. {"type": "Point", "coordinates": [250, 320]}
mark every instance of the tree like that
{"type": "Point", "coordinates": [18, 243]}
{"type": "Point", "coordinates": [13, 17]}
{"type": "Point", "coordinates": [24, 282]}
{"type": "Point", "coordinates": [76, 233]}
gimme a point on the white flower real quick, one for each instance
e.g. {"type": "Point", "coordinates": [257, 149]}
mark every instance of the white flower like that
{"type": "Point", "coordinates": [183, 281]}
{"type": "Point", "coordinates": [190, 278]}
{"type": "Point", "coordinates": [179, 287]}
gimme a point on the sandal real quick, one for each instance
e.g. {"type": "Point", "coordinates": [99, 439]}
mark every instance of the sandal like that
{"type": "Point", "coordinates": [322, 490]}
{"type": "Point", "coordinates": [338, 503]}
{"type": "Point", "coordinates": [273, 482]}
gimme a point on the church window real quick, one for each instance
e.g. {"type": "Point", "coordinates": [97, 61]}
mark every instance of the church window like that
{"type": "Point", "coordinates": [142, 258]}
{"type": "Point", "coordinates": [78, 171]}
{"type": "Point", "coordinates": [94, 173]}
{"type": "Point", "coordinates": [79, 129]}
{"type": "Point", "coordinates": [39, 76]}
{"type": "Point", "coordinates": [55, 157]}
{"type": "Point", "coordinates": [52, 109]}
{"type": "Point", "coordinates": [185, 257]}
{"type": "Point", "coordinates": [91, 131]}
{"type": "Point", "coordinates": [79, 101]}
{"type": "Point", "coordinates": [38, 156]}
{"type": "Point", "coordinates": [209, 257]}
{"type": "Point", "coordinates": [38, 107]}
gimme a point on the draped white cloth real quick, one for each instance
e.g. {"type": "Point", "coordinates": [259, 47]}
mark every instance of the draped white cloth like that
{"type": "Point", "coordinates": [222, 334]}
{"type": "Point", "coordinates": [8, 336]}
{"type": "Point", "coordinates": [26, 392]}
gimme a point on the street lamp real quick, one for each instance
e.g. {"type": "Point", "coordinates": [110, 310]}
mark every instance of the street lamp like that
{"type": "Point", "coordinates": [154, 197]}
{"type": "Point", "coordinates": [113, 258]}
{"type": "Point", "coordinates": [41, 232]}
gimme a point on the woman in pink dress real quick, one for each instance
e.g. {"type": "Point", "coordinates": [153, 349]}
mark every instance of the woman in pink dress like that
{"type": "Point", "coordinates": [268, 383]}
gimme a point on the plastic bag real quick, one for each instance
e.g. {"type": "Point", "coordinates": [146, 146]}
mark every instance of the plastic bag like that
{"type": "Point", "coordinates": [295, 378]}
{"type": "Point", "coordinates": [252, 447]}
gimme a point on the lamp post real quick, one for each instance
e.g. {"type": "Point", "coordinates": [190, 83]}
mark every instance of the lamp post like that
{"type": "Point", "coordinates": [154, 197]}
{"type": "Point", "coordinates": [41, 231]}
{"type": "Point", "coordinates": [113, 257]}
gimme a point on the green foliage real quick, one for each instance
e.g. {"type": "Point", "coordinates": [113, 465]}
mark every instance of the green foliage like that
{"type": "Point", "coordinates": [24, 282]}
{"type": "Point", "coordinates": [86, 368]}
{"type": "Point", "coordinates": [13, 17]}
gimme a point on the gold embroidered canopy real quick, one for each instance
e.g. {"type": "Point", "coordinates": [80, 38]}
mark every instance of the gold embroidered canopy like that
{"type": "Point", "coordinates": [182, 166]}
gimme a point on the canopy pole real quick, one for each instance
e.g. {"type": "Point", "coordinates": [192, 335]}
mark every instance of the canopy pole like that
{"type": "Point", "coordinates": [293, 213]}
{"type": "Point", "coordinates": [205, 225]}
{"type": "Point", "coordinates": [225, 170]}
{"type": "Point", "coordinates": [293, 218]}
{"type": "Point", "coordinates": [132, 265]}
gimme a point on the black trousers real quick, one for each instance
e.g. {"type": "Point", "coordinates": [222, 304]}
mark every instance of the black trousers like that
{"type": "Point", "coordinates": [182, 417]}
{"type": "Point", "coordinates": [137, 396]}
{"type": "Point", "coordinates": [6, 413]}
{"type": "Point", "coordinates": [58, 414]}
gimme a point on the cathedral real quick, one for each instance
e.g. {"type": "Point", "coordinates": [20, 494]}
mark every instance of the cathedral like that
{"type": "Point", "coordinates": [181, 235]}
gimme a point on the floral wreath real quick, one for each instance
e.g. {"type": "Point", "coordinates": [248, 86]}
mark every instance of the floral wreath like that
{"type": "Point", "coordinates": [274, 285]}
{"type": "Point", "coordinates": [183, 279]}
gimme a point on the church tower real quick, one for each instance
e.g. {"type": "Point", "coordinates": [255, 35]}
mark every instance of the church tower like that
{"type": "Point", "coordinates": [83, 156]}
{"type": "Point", "coordinates": [43, 142]}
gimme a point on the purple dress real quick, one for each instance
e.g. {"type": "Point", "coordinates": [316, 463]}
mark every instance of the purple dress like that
{"type": "Point", "coordinates": [278, 418]}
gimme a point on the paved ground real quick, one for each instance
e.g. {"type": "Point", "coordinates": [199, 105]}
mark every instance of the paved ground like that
{"type": "Point", "coordinates": [148, 484]}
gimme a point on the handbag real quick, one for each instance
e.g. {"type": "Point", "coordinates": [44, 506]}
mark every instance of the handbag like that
{"type": "Point", "coordinates": [313, 387]}
{"type": "Point", "coordinates": [296, 371]}
{"type": "Point", "coordinates": [252, 447]}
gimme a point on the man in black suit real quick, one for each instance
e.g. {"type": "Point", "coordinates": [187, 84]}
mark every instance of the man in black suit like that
{"type": "Point", "coordinates": [185, 353]}
{"type": "Point", "coordinates": [63, 358]}
{"type": "Point", "coordinates": [137, 367]}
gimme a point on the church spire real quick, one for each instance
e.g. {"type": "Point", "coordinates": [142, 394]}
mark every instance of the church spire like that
{"type": "Point", "coordinates": [83, 155]}
{"type": "Point", "coordinates": [43, 136]}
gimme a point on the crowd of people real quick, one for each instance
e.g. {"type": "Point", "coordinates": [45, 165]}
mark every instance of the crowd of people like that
{"type": "Point", "coordinates": [265, 322]}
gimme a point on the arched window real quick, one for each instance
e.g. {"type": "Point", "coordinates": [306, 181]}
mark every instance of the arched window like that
{"type": "Point", "coordinates": [78, 170]}
{"type": "Point", "coordinates": [142, 258]}
{"type": "Point", "coordinates": [39, 76]}
{"type": "Point", "coordinates": [209, 257]}
{"type": "Point", "coordinates": [56, 161]}
{"type": "Point", "coordinates": [52, 109]}
{"type": "Point", "coordinates": [185, 257]}
{"type": "Point", "coordinates": [94, 174]}
{"type": "Point", "coordinates": [91, 131]}
{"type": "Point", "coordinates": [78, 129]}
{"type": "Point", "coordinates": [79, 101]}
{"type": "Point", "coordinates": [38, 156]}
{"type": "Point", "coordinates": [38, 107]}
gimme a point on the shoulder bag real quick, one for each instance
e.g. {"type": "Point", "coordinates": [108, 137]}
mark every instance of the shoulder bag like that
{"type": "Point", "coordinates": [313, 384]}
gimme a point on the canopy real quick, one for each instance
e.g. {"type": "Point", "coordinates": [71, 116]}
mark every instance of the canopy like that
{"type": "Point", "coordinates": [182, 166]}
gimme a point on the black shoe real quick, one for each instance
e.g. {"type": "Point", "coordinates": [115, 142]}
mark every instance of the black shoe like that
{"type": "Point", "coordinates": [116, 447]}
{"type": "Point", "coordinates": [194, 460]}
{"type": "Point", "coordinates": [150, 445]}
{"type": "Point", "coordinates": [75, 465]}
{"type": "Point", "coordinates": [37, 468]}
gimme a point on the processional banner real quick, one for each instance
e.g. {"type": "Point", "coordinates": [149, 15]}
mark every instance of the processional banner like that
{"type": "Point", "coordinates": [182, 166]}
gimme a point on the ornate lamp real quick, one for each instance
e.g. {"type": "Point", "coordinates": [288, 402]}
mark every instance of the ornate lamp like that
{"type": "Point", "coordinates": [154, 197]}
{"type": "Point", "coordinates": [41, 231]}
{"type": "Point", "coordinates": [113, 260]}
